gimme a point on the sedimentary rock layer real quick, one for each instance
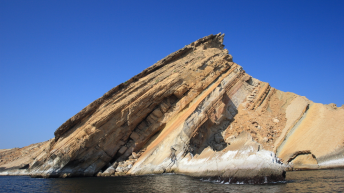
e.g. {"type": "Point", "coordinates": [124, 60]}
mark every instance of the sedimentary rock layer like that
{"type": "Point", "coordinates": [195, 112]}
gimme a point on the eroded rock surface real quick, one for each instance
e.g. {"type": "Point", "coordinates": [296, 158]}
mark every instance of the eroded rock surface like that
{"type": "Point", "coordinates": [195, 112]}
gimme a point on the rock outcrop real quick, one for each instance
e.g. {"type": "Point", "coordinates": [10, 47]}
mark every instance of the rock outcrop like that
{"type": "Point", "coordinates": [195, 112]}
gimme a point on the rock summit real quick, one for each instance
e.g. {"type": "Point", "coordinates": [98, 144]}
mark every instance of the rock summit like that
{"type": "Point", "coordinates": [195, 112]}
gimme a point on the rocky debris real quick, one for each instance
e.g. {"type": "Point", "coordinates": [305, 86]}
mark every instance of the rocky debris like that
{"type": "Point", "coordinates": [275, 120]}
{"type": "Point", "coordinates": [120, 168]}
{"type": "Point", "coordinates": [196, 112]}
{"type": "Point", "coordinates": [125, 166]}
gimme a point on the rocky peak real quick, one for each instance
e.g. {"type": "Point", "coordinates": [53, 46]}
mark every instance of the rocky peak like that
{"type": "Point", "coordinates": [194, 112]}
{"type": "Point", "coordinates": [211, 41]}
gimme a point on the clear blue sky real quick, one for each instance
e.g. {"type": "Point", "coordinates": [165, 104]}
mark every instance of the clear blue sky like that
{"type": "Point", "coordinates": [56, 57]}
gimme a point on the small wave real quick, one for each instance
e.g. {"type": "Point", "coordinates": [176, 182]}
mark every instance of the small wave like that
{"type": "Point", "coordinates": [168, 174]}
{"type": "Point", "coordinates": [247, 182]}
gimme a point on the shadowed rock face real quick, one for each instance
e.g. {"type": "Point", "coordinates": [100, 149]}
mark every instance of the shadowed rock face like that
{"type": "Point", "coordinates": [194, 112]}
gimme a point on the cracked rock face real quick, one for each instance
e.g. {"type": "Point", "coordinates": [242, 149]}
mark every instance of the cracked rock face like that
{"type": "Point", "coordinates": [195, 112]}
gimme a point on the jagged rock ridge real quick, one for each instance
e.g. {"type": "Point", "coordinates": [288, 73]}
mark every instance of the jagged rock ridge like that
{"type": "Point", "coordinates": [194, 112]}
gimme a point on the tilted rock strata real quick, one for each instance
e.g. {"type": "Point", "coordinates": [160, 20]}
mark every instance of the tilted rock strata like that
{"type": "Point", "coordinates": [16, 161]}
{"type": "Point", "coordinates": [195, 112]}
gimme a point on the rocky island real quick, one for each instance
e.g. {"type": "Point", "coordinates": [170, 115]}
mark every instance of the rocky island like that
{"type": "Point", "coordinates": [195, 112]}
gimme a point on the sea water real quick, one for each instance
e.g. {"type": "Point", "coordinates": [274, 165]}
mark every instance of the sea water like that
{"type": "Point", "coordinates": [296, 181]}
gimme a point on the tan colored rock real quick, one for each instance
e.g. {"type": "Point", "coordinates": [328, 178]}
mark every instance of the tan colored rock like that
{"type": "Point", "coordinates": [135, 156]}
{"type": "Point", "coordinates": [195, 112]}
{"type": "Point", "coordinates": [319, 130]}
{"type": "Point", "coordinates": [122, 150]}
{"type": "Point", "coordinates": [275, 120]}
{"type": "Point", "coordinates": [301, 161]}
{"type": "Point", "coordinates": [16, 161]}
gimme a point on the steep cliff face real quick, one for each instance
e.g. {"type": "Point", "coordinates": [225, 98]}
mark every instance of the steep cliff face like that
{"type": "Point", "coordinates": [195, 112]}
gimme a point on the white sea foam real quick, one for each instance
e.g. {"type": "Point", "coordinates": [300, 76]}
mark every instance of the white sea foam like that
{"type": "Point", "coordinates": [335, 162]}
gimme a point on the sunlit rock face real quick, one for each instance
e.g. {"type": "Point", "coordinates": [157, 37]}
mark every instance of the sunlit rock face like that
{"type": "Point", "coordinates": [195, 112]}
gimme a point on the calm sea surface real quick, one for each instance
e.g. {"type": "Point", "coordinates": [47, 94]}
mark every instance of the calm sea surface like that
{"type": "Point", "coordinates": [298, 181]}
